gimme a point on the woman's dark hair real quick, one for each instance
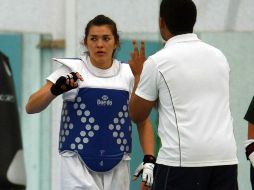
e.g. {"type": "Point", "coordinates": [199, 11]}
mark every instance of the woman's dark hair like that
{"type": "Point", "coordinates": [103, 20]}
{"type": "Point", "coordinates": [179, 15]}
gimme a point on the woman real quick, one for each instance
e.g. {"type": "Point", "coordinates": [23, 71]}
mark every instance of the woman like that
{"type": "Point", "coordinates": [95, 131]}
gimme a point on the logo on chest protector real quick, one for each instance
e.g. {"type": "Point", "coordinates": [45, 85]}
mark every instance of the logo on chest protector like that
{"type": "Point", "coordinates": [104, 101]}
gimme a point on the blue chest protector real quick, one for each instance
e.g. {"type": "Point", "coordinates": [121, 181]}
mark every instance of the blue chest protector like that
{"type": "Point", "coordinates": [97, 127]}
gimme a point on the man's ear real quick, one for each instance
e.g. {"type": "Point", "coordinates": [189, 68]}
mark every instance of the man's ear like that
{"type": "Point", "coordinates": [165, 32]}
{"type": "Point", "coordinates": [162, 23]}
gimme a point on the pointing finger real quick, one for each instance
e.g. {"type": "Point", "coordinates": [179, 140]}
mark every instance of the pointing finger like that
{"type": "Point", "coordinates": [142, 48]}
{"type": "Point", "coordinates": [79, 76]}
{"type": "Point", "coordinates": [135, 48]}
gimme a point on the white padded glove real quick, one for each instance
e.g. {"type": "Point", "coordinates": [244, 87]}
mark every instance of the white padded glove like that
{"type": "Point", "coordinates": [147, 175]}
{"type": "Point", "coordinates": [138, 171]}
{"type": "Point", "coordinates": [146, 169]}
{"type": "Point", "coordinates": [251, 158]}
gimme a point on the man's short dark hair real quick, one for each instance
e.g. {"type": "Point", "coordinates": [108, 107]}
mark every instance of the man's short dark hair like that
{"type": "Point", "coordinates": [179, 15]}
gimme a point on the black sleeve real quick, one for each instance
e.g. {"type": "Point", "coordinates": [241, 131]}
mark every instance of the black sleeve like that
{"type": "Point", "coordinates": [249, 116]}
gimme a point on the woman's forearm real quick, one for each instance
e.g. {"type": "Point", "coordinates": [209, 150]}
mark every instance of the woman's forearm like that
{"type": "Point", "coordinates": [39, 100]}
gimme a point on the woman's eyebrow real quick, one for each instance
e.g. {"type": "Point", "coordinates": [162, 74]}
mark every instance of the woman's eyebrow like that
{"type": "Point", "coordinates": [95, 35]}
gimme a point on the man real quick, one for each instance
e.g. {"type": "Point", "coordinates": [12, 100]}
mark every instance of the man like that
{"type": "Point", "coordinates": [189, 81]}
{"type": "Point", "coordinates": [249, 144]}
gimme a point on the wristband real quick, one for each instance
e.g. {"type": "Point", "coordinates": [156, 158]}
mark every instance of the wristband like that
{"type": "Point", "coordinates": [149, 159]}
{"type": "Point", "coordinates": [249, 149]}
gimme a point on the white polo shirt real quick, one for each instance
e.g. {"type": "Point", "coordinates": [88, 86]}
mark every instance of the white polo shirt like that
{"type": "Point", "coordinates": [190, 79]}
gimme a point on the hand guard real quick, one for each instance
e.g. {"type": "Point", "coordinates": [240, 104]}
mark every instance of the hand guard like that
{"type": "Point", "coordinates": [249, 147]}
{"type": "Point", "coordinates": [61, 84]}
{"type": "Point", "coordinates": [146, 169]}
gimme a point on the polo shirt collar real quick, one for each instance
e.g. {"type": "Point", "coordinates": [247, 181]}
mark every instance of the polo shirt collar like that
{"type": "Point", "coordinates": [182, 38]}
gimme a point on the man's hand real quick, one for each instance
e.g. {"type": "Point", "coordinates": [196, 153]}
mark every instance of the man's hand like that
{"type": "Point", "coordinates": [66, 83]}
{"type": "Point", "coordinates": [137, 58]}
{"type": "Point", "coordinates": [146, 169]}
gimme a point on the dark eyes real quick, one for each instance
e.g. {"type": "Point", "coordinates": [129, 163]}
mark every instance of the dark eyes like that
{"type": "Point", "coordinates": [104, 38]}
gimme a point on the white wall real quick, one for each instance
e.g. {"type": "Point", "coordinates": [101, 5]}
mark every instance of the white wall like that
{"type": "Point", "coordinates": [130, 16]}
{"type": "Point", "coordinates": [48, 16]}
{"type": "Point", "coordinates": [141, 16]}
{"type": "Point", "coordinates": [38, 16]}
{"type": "Point", "coordinates": [225, 15]}
{"type": "Point", "coordinates": [66, 19]}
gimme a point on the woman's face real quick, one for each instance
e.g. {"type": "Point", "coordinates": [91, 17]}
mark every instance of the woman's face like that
{"type": "Point", "coordinates": [100, 44]}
